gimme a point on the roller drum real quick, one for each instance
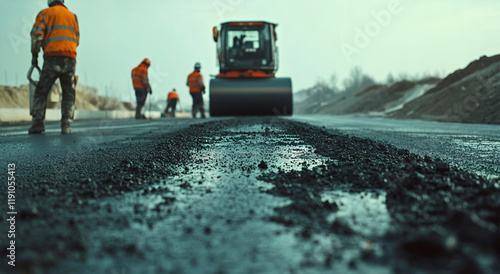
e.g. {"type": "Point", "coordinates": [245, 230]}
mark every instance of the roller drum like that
{"type": "Point", "coordinates": [251, 97]}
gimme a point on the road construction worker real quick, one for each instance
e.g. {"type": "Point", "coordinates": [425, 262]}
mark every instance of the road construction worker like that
{"type": "Point", "coordinates": [141, 86]}
{"type": "Point", "coordinates": [196, 88]}
{"type": "Point", "coordinates": [56, 31]}
{"type": "Point", "coordinates": [172, 100]}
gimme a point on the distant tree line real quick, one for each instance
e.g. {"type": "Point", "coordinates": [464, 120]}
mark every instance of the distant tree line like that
{"type": "Point", "coordinates": [327, 91]}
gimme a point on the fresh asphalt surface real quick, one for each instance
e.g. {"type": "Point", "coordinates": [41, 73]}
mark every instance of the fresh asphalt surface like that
{"type": "Point", "coordinates": [472, 146]}
{"type": "Point", "coordinates": [17, 144]}
{"type": "Point", "coordinates": [211, 214]}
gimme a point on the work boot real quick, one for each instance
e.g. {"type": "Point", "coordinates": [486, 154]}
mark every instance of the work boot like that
{"type": "Point", "coordinates": [65, 127]}
{"type": "Point", "coordinates": [37, 127]}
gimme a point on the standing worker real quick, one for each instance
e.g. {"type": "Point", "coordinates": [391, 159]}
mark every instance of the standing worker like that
{"type": "Point", "coordinates": [172, 99]}
{"type": "Point", "coordinates": [196, 87]}
{"type": "Point", "coordinates": [141, 86]}
{"type": "Point", "coordinates": [56, 31]}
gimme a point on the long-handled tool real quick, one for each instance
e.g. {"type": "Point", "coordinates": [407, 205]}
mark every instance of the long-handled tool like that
{"type": "Point", "coordinates": [33, 85]}
{"type": "Point", "coordinates": [180, 104]}
{"type": "Point", "coordinates": [150, 117]}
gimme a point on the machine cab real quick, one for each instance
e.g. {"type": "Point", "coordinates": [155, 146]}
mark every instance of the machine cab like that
{"type": "Point", "coordinates": [244, 46]}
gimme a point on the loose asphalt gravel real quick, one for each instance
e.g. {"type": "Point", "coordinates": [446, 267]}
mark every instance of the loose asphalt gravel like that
{"type": "Point", "coordinates": [250, 195]}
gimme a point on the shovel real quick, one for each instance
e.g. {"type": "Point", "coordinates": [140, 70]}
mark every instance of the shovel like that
{"type": "Point", "coordinates": [33, 85]}
{"type": "Point", "coordinates": [180, 105]}
{"type": "Point", "coordinates": [150, 118]}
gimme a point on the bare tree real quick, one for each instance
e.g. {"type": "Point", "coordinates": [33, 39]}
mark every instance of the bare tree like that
{"type": "Point", "coordinates": [333, 83]}
{"type": "Point", "coordinates": [390, 79]}
{"type": "Point", "coordinates": [357, 81]}
{"type": "Point", "coordinates": [321, 92]}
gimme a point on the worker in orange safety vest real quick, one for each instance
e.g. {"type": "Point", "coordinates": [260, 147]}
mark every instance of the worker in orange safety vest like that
{"type": "Point", "coordinates": [55, 30]}
{"type": "Point", "coordinates": [196, 88]}
{"type": "Point", "coordinates": [141, 85]}
{"type": "Point", "coordinates": [172, 100]}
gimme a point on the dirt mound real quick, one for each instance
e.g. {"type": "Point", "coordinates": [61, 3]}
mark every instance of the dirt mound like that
{"type": "Point", "coordinates": [376, 99]}
{"type": "Point", "coordinates": [128, 106]}
{"type": "Point", "coordinates": [470, 95]}
{"type": "Point", "coordinates": [401, 86]}
{"type": "Point", "coordinates": [110, 103]}
{"type": "Point", "coordinates": [86, 99]}
{"type": "Point", "coordinates": [460, 74]}
{"type": "Point", "coordinates": [429, 81]}
{"type": "Point", "coordinates": [368, 89]}
{"type": "Point", "coordinates": [14, 97]}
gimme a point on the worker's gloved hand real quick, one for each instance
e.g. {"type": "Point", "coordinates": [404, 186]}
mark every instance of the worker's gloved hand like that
{"type": "Point", "coordinates": [150, 91]}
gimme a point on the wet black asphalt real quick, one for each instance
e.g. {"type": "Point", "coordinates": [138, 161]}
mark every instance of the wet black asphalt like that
{"type": "Point", "coordinates": [255, 195]}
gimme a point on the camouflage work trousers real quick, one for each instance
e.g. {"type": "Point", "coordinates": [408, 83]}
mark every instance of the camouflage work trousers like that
{"type": "Point", "coordinates": [54, 68]}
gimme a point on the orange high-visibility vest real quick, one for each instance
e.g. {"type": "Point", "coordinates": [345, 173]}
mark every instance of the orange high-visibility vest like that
{"type": "Point", "coordinates": [195, 82]}
{"type": "Point", "coordinates": [60, 31]}
{"type": "Point", "coordinates": [172, 95]}
{"type": "Point", "coordinates": [140, 77]}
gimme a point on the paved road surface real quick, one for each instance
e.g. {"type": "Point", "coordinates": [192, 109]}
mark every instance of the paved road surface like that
{"type": "Point", "coordinates": [472, 146]}
{"type": "Point", "coordinates": [254, 195]}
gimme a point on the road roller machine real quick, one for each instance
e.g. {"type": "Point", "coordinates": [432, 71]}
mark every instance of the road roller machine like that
{"type": "Point", "coordinates": [248, 60]}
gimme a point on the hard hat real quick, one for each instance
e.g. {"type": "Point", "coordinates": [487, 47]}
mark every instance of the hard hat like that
{"type": "Point", "coordinates": [49, 2]}
{"type": "Point", "coordinates": [197, 65]}
{"type": "Point", "coordinates": [146, 62]}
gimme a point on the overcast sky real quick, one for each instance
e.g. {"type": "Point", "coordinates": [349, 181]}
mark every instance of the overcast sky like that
{"type": "Point", "coordinates": [317, 38]}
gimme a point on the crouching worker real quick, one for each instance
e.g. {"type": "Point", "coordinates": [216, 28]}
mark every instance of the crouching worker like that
{"type": "Point", "coordinates": [172, 100]}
